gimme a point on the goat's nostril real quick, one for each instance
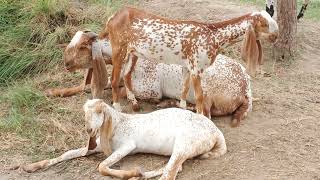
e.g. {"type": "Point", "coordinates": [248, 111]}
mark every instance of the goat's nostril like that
{"type": "Point", "coordinates": [67, 64]}
{"type": "Point", "coordinates": [89, 130]}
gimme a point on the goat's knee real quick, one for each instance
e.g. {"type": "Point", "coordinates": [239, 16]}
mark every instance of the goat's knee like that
{"type": "Point", "coordinates": [103, 169]}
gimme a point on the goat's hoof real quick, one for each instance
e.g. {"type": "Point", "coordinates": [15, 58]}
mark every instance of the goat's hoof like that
{"type": "Point", "coordinates": [30, 168]}
{"type": "Point", "coordinates": [137, 173]}
{"type": "Point", "coordinates": [235, 123]}
{"type": "Point", "coordinates": [15, 167]}
{"type": "Point", "coordinates": [49, 92]}
{"type": "Point", "coordinates": [135, 107]}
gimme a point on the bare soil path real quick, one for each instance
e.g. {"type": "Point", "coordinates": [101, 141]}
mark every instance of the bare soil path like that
{"type": "Point", "coordinates": [279, 140]}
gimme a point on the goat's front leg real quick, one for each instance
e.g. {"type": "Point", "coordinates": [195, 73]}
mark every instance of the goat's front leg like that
{"type": "Point", "coordinates": [185, 88]}
{"type": "Point", "coordinates": [196, 81]}
{"type": "Point", "coordinates": [118, 56]}
{"type": "Point", "coordinates": [66, 92]}
{"type": "Point", "coordinates": [117, 155]}
{"type": "Point", "coordinates": [71, 154]}
{"type": "Point", "coordinates": [127, 81]}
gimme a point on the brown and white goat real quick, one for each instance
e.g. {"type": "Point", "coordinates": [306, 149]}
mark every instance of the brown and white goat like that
{"type": "Point", "coordinates": [85, 52]}
{"type": "Point", "coordinates": [191, 44]}
{"type": "Point", "coordinates": [178, 133]}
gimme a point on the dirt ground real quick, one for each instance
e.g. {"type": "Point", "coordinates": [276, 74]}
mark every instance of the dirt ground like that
{"type": "Point", "coordinates": [279, 140]}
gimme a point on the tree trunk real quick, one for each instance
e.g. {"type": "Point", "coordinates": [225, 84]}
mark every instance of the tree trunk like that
{"type": "Point", "coordinates": [286, 45]}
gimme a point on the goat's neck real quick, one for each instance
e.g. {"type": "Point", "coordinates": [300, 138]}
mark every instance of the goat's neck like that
{"type": "Point", "coordinates": [116, 116]}
{"type": "Point", "coordinates": [229, 32]}
{"type": "Point", "coordinates": [105, 47]}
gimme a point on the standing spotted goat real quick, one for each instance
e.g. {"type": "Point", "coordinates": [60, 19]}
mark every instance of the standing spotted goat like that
{"type": "Point", "coordinates": [191, 44]}
{"type": "Point", "coordinates": [179, 133]}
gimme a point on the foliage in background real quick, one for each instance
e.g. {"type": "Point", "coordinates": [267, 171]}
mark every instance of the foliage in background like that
{"type": "Point", "coordinates": [313, 9]}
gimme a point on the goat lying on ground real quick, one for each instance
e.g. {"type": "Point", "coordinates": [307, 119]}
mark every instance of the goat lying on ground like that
{"type": "Point", "coordinates": [226, 86]}
{"type": "Point", "coordinates": [176, 132]}
{"type": "Point", "coordinates": [191, 44]}
{"type": "Point", "coordinates": [225, 83]}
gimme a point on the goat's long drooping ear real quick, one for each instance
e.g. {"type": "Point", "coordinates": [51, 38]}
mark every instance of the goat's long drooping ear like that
{"type": "Point", "coordinates": [106, 130]}
{"type": "Point", "coordinates": [88, 76]}
{"type": "Point", "coordinates": [260, 57]}
{"type": "Point", "coordinates": [250, 50]}
{"type": "Point", "coordinates": [92, 144]}
{"type": "Point", "coordinates": [100, 74]}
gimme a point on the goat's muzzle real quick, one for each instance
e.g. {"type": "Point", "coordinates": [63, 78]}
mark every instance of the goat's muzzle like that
{"type": "Point", "coordinates": [69, 66]}
{"type": "Point", "coordinates": [272, 38]}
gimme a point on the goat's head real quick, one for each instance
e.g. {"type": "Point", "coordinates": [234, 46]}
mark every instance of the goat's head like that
{"type": "Point", "coordinates": [94, 116]}
{"type": "Point", "coordinates": [98, 119]}
{"type": "Point", "coordinates": [78, 53]}
{"type": "Point", "coordinates": [264, 26]}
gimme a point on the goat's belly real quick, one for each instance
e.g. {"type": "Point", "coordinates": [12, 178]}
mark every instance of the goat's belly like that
{"type": "Point", "coordinates": [146, 80]}
{"type": "Point", "coordinates": [159, 53]}
{"type": "Point", "coordinates": [156, 145]}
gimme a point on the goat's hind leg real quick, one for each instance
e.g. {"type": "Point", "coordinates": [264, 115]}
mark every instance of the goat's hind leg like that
{"type": "Point", "coordinates": [185, 89]}
{"type": "Point", "coordinates": [196, 81]}
{"type": "Point", "coordinates": [104, 167]}
{"type": "Point", "coordinates": [66, 92]}
{"type": "Point", "coordinates": [219, 149]}
{"type": "Point", "coordinates": [240, 113]}
{"type": "Point", "coordinates": [129, 67]}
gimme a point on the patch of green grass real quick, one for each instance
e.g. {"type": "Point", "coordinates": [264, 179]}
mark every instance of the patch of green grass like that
{"type": "Point", "coordinates": [23, 102]}
{"type": "Point", "coordinates": [30, 31]}
{"type": "Point", "coordinates": [28, 36]}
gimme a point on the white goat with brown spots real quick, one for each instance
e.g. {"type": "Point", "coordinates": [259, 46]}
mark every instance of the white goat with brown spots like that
{"type": "Point", "coordinates": [178, 133]}
{"type": "Point", "coordinates": [191, 44]}
{"type": "Point", "coordinates": [226, 86]}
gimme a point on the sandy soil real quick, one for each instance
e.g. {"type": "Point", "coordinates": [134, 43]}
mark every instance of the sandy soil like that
{"type": "Point", "coordinates": [279, 139]}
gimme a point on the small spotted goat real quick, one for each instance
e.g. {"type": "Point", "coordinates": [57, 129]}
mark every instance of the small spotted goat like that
{"type": "Point", "coordinates": [191, 44]}
{"type": "Point", "coordinates": [178, 133]}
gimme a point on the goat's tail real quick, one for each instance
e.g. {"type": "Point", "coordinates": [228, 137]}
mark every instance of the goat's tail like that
{"type": "Point", "coordinates": [219, 149]}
